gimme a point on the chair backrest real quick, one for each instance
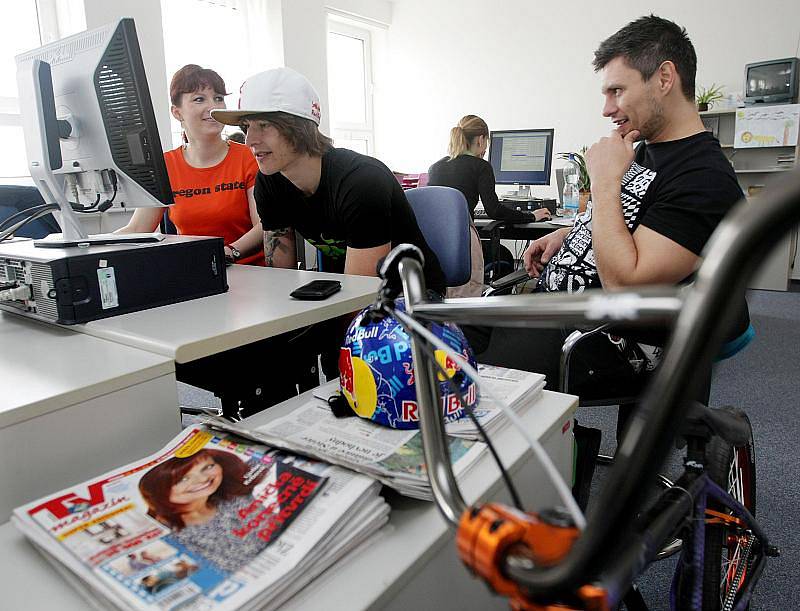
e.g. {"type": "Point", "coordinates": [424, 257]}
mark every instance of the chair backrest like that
{"type": "Point", "coordinates": [443, 217]}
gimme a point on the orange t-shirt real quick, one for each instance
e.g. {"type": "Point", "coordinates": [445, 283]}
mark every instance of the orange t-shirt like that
{"type": "Point", "coordinates": [213, 201]}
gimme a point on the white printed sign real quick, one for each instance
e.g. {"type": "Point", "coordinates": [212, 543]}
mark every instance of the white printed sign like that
{"type": "Point", "coordinates": [762, 126]}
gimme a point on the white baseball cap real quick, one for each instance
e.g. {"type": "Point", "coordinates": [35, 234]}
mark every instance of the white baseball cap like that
{"type": "Point", "coordinates": [277, 90]}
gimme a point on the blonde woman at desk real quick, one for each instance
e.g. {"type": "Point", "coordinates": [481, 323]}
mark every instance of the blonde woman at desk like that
{"type": "Point", "coordinates": [212, 178]}
{"type": "Point", "coordinates": [465, 169]}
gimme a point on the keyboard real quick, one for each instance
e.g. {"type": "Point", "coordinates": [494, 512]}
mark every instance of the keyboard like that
{"type": "Point", "coordinates": [480, 213]}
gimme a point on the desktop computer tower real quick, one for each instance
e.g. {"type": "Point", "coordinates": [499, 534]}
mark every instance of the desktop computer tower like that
{"type": "Point", "coordinates": [77, 285]}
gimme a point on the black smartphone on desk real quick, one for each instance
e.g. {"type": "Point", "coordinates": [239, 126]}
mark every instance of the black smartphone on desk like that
{"type": "Point", "coordinates": [317, 290]}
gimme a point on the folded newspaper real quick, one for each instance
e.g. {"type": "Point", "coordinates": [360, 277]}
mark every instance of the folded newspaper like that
{"type": "Point", "coordinates": [391, 456]}
{"type": "Point", "coordinates": [211, 521]}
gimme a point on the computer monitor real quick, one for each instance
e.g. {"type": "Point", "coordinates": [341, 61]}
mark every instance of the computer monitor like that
{"type": "Point", "coordinates": [90, 130]}
{"type": "Point", "coordinates": [521, 157]}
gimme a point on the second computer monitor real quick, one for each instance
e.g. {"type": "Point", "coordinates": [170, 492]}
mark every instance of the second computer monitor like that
{"type": "Point", "coordinates": [522, 157]}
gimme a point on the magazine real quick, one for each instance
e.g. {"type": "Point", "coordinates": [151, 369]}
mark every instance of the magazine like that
{"type": "Point", "coordinates": [211, 521]}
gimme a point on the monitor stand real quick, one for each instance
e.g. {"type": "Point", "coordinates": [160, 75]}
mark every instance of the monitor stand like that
{"type": "Point", "coordinates": [58, 240]}
{"type": "Point", "coordinates": [74, 235]}
{"type": "Point", "coordinates": [523, 192]}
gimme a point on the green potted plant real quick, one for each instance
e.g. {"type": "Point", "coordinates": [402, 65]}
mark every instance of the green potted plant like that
{"type": "Point", "coordinates": [706, 97]}
{"type": "Point", "coordinates": [584, 183]}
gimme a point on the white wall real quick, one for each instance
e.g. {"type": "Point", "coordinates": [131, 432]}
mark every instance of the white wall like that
{"type": "Point", "coordinates": [147, 15]}
{"type": "Point", "coordinates": [523, 64]}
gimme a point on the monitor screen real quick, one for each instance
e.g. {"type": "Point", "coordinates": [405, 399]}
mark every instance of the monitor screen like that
{"type": "Point", "coordinates": [90, 130]}
{"type": "Point", "coordinates": [771, 81]}
{"type": "Point", "coordinates": [521, 156]}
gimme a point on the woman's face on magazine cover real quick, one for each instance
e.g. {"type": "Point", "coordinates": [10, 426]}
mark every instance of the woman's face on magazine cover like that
{"type": "Point", "coordinates": [198, 483]}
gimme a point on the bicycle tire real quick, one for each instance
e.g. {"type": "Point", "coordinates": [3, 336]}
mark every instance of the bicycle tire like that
{"type": "Point", "coordinates": [726, 550]}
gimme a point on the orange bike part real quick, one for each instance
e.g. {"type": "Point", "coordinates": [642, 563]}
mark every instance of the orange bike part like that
{"type": "Point", "coordinates": [485, 536]}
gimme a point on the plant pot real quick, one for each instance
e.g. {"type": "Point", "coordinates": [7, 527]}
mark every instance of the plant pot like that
{"type": "Point", "coordinates": [583, 199]}
{"type": "Point", "coordinates": [702, 106]}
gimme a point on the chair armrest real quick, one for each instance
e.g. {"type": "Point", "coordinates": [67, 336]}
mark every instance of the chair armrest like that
{"type": "Point", "coordinates": [573, 340]}
{"type": "Point", "coordinates": [506, 282]}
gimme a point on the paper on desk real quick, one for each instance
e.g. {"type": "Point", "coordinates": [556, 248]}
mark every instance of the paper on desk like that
{"type": "Point", "coordinates": [565, 222]}
{"type": "Point", "coordinates": [393, 456]}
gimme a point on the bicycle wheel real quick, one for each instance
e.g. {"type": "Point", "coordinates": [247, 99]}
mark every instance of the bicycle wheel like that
{"type": "Point", "coordinates": [727, 546]}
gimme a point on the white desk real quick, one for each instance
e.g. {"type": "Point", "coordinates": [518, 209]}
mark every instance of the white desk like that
{"type": "Point", "coordinates": [73, 406]}
{"type": "Point", "coordinates": [256, 306]}
{"type": "Point", "coordinates": [410, 564]}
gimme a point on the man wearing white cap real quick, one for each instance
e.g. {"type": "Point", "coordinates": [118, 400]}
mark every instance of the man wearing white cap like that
{"type": "Point", "coordinates": [347, 205]}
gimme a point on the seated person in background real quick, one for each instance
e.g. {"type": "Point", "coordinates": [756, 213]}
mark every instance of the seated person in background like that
{"type": "Point", "coordinates": [653, 208]}
{"type": "Point", "coordinates": [465, 169]}
{"type": "Point", "coordinates": [347, 205]}
{"type": "Point", "coordinates": [212, 178]}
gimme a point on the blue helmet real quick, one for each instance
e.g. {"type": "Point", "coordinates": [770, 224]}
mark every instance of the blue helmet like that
{"type": "Point", "coordinates": [376, 374]}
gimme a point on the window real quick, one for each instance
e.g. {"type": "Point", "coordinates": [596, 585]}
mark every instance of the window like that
{"type": "Point", "coordinates": [350, 86]}
{"type": "Point", "coordinates": [227, 36]}
{"type": "Point", "coordinates": [16, 36]}
{"type": "Point", "coordinates": [35, 22]}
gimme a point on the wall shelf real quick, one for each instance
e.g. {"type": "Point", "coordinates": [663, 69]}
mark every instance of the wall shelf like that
{"type": "Point", "coordinates": [761, 167]}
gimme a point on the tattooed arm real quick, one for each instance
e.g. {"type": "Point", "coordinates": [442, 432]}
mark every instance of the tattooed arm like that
{"type": "Point", "coordinates": [279, 248]}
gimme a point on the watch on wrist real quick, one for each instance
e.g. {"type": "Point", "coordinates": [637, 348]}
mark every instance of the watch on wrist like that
{"type": "Point", "coordinates": [235, 254]}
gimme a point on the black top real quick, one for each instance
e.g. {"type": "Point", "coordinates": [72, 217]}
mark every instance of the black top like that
{"type": "Point", "coordinates": [682, 189]}
{"type": "Point", "coordinates": [358, 203]}
{"type": "Point", "coordinates": [473, 176]}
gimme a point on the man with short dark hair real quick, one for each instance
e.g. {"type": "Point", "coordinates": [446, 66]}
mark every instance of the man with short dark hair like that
{"type": "Point", "coordinates": [653, 206]}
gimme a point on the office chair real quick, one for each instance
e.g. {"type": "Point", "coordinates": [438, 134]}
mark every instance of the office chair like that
{"type": "Point", "coordinates": [14, 199]}
{"type": "Point", "coordinates": [592, 395]}
{"type": "Point", "coordinates": [443, 217]}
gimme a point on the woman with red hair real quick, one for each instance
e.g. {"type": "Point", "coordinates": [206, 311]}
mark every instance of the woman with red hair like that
{"type": "Point", "coordinates": [212, 178]}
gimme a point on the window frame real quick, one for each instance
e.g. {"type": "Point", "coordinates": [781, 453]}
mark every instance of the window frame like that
{"type": "Point", "coordinates": [365, 131]}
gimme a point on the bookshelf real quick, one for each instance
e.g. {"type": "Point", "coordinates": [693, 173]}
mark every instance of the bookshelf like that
{"type": "Point", "coordinates": [757, 168]}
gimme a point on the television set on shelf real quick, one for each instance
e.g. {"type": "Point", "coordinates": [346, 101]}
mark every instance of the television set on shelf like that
{"type": "Point", "coordinates": [771, 82]}
{"type": "Point", "coordinates": [90, 129]}
{"type": "Point", "coordinates": [521, 157]}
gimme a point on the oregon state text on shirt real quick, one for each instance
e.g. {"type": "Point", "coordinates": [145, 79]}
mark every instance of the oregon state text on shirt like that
{"type": "Point", "coordinates": [223, 186]}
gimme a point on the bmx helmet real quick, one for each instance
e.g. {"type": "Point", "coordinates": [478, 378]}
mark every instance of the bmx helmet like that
{"type": "Point", "coordinates": [376, 373]}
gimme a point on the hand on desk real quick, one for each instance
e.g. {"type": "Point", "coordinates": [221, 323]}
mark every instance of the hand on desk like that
{"type": "Point", "coordinates": [542, 214]}
{"type": "Point", "coordinates": [540, 251]}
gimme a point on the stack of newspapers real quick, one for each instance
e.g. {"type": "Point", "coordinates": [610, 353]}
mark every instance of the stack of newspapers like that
{"type": "Point", "coordinates": [392, 456]}
{"type": "Point", "coordinates": [516, 389]}
{"type": "Point", "coordinates": [211, 521]}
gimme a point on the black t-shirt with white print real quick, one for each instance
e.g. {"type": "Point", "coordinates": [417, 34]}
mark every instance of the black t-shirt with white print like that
{"type": "Point", "coordinates": [358, 204]}
{"type": "Point", "coordinates": [681, 189]}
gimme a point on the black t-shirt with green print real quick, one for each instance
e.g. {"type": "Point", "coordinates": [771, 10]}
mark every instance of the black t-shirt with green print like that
{"type": "Point", "coordinates": [358, 204]}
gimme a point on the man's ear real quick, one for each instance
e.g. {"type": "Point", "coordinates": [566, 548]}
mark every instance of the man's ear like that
{"type": "Point", "coordinates": [667, 77]}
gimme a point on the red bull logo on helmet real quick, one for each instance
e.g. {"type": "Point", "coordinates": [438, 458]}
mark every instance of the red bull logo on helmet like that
{"type": "Point", "coordinates": [452, 407]}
